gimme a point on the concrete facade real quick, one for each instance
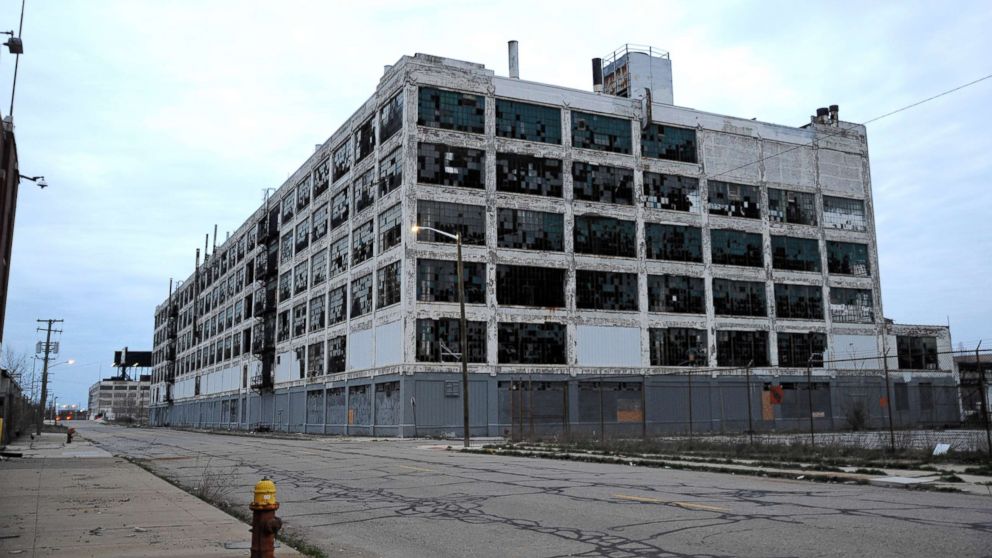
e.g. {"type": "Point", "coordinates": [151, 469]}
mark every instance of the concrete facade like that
{"type": "Point", "coordinates": [274, 361]}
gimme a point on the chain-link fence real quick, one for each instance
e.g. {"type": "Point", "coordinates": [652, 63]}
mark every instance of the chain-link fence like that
{"type": "Point", "coordinates": [739, 406]}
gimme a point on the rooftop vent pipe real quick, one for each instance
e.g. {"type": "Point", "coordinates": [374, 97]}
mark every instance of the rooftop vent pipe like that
{"type": "Point", "coordinates": [514, 60]}
{"type": "Point", "coordinates": [597, 75]}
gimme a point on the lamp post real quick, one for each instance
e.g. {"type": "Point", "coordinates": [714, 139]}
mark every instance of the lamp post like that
{"type": "Point", "coordinates": [691, 362]}
{"type": "Point", "coordinates": [462, 325]}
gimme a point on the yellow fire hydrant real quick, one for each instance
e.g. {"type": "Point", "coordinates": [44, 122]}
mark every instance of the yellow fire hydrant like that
{"type": "Point", "coordinates": [264, 523]}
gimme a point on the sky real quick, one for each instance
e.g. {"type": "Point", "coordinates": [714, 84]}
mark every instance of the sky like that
{"type": "Point", "coordinates": [154, 120]}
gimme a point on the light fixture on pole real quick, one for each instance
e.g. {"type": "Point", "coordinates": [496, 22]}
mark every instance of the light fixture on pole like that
{"type": "Point", "coordinates": [39, 180]}
{"type": "Point", "coordinates": [13, 44]}
{"type": "Point", "coordinates": [462, 325]}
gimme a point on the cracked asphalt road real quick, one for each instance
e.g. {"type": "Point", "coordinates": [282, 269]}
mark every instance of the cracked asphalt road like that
{"type": "Point", "coordinates": [411, 498]}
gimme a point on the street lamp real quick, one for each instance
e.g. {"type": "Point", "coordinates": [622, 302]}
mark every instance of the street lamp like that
{"type": "Point", "coordinates": [39, 180]}
{"type": "Point", "coordinates": [691, 362]}
{"type": "Point", "coordinates": [462, 326]}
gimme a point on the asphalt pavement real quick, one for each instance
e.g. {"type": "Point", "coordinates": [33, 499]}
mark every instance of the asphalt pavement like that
{"type": "Point", "coordinates": [412, 498]}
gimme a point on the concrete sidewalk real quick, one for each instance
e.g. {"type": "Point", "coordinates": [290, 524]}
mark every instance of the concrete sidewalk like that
{"type": "Point", "coordinates": [78, 500]}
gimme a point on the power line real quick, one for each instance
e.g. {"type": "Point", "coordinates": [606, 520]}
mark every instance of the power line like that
{"type": "Point", "coordinates": [843, 130]}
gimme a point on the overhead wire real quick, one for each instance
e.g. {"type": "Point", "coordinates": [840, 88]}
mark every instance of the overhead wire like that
{"type": "Point", "coordinates": [843, 130]}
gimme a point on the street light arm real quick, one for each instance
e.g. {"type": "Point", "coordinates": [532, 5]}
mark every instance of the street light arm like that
{"type": "Point", "coordinates": [418, 228]}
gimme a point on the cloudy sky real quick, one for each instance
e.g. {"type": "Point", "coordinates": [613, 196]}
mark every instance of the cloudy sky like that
{"type": "Point", "coordinates": [153, 120]}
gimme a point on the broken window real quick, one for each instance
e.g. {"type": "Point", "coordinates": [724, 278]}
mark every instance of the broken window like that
{"type": "Point", "coordinates": [673, 242]}
{"type": "Point", "coordinates": [844, 213]}
{"type": "Point", "coordinates": [318, 268]}
{"type": "Point", "coordinates": [321, 178]}
{"type": "Point", "coordinates": [801, 302]}
{"type": "Point", "coordinates": [917, 352]}
{"type": "Point", "coordinates": [676, 293]}
{"type": "Point", "coordinates": [529, 122]}
{"type": "Point", "coordinates": [521, 343]}
{"type": "Point", "coordinates": [285, 286]}
{"type": "Point", "coordinates": [526, 174]}
{"type": "Point", "coordinates": [851, 306]}
{"type": "Point", "coordinates": [453, 218]}
{"type": "Point", "coordinates": [303, 193]}
{"type": "Point", "coordinates": [336, 354]}
{"type": "Point", "coordinates": [437, 281]}
{"type": "Point", "coordinates": [451, 166]}
{"type": "Point", "coordinates": [848, 258]}
{"type": "Point", "coordinates": [391, 117]}
{"type": "Point", "coordinates": [530, 230]}
{"type": "Point", "coordinates": [731, 247]}
{"type": "Point", "coordinates": [672, 192]}
{"type": "Point", "coordinates": [605, 290]}
{"type": "Point", "coordinates": [319, 220]}
{"type": "Point", "coordinates": [315, 362]}
{"type": "Point", "coordinates": [734, 200]}
{"type": "Point", "coordinates": [605, 236]}
{"type": "Point", "coordinates": [364, 191]}
{"type": "Point", "coordinates": [365, 140]}
{"type": "Point", "coordinates": [388, 281]}
{"type": "Point", "coordinates": [286, 247]}
{"type": "Point", "coordinates": [236, 345]}
{"type": "Point", "coordinates": [604, 133]}
{"type": "Point", "coordinates": [362, 241]}
{"type": "Point", "coordinates": [361, 295]}
{"type": "Point", "coordinates": [337, 305]}
{"type": "Point", "coordinates": [602, 183]}
{"type": "Point", "coordinates": [795, 349]}
{"type": "Point", "coordinates": [288, 207]}
{"type": "Point", "coordinates": [795, 254]}
{"type": "Point", "coordinates": [518, 285]}
{"type": "Point", "coordinates": [738, 348]}
{"type": "Point", "coordinates": [342, 160]}
{"type": "Point", "coordinates": [439, 340]}
{"type": "Point", "coordinates": [739, 298]}
{"type": "Point", "coordinates": [669, 142]}
{"type": "Point", "coordinates": [339, 208]}
{"type": "Point", "coordinates": [674, 346]}
{"type": "Point", "coordinates": [786, 206]}
{"type": "Point", "coordinates": [451, 110]}
{"type": "Point", "coordinates": [302, 236]}
{"type": "Point", "coordinates": [339, 256]}
{"type": "Point", "coordinates": [300, 275]}
{"type": "Point", "coordinates": [299, 319]}
{"type": "Point", "coordinates": [318, 313]}
{"type": "Point", "coordinates": [390, 227]}
{"type": "Point", "coordinates": [391, 172]}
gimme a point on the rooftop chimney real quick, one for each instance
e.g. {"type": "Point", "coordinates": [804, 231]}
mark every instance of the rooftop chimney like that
{"type": "Point", "coordinates": [834, 115]}
{"type": "Point", "coordinates": [597, 75]}
{"type": "Point", "coordinates": [514, 60]}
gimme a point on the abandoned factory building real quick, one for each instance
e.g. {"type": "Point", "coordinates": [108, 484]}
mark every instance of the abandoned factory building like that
{"type": "Point", "coordinates": [613, 243]}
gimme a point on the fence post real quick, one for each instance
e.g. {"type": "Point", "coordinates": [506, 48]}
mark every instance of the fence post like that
{"type": "Point", "coordinates": [750, 424]}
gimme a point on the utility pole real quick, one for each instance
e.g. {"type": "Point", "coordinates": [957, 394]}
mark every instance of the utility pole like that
{"type": "Point", "coordinates": [809, 391]}
{"type": "Point", "coordinates": [44, 371]}
{"type": "Point", "coordinates": [985, 398]}
{"type": "Point", "coordinates": [888, 400]}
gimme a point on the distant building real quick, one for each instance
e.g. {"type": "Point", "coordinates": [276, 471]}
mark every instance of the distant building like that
{"type": "Point", "coordinates": [9, 181]}
{"type": "Point", "coordinates": [611, 240]}
{"type": "Point", "coordinates": [120, 399]}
